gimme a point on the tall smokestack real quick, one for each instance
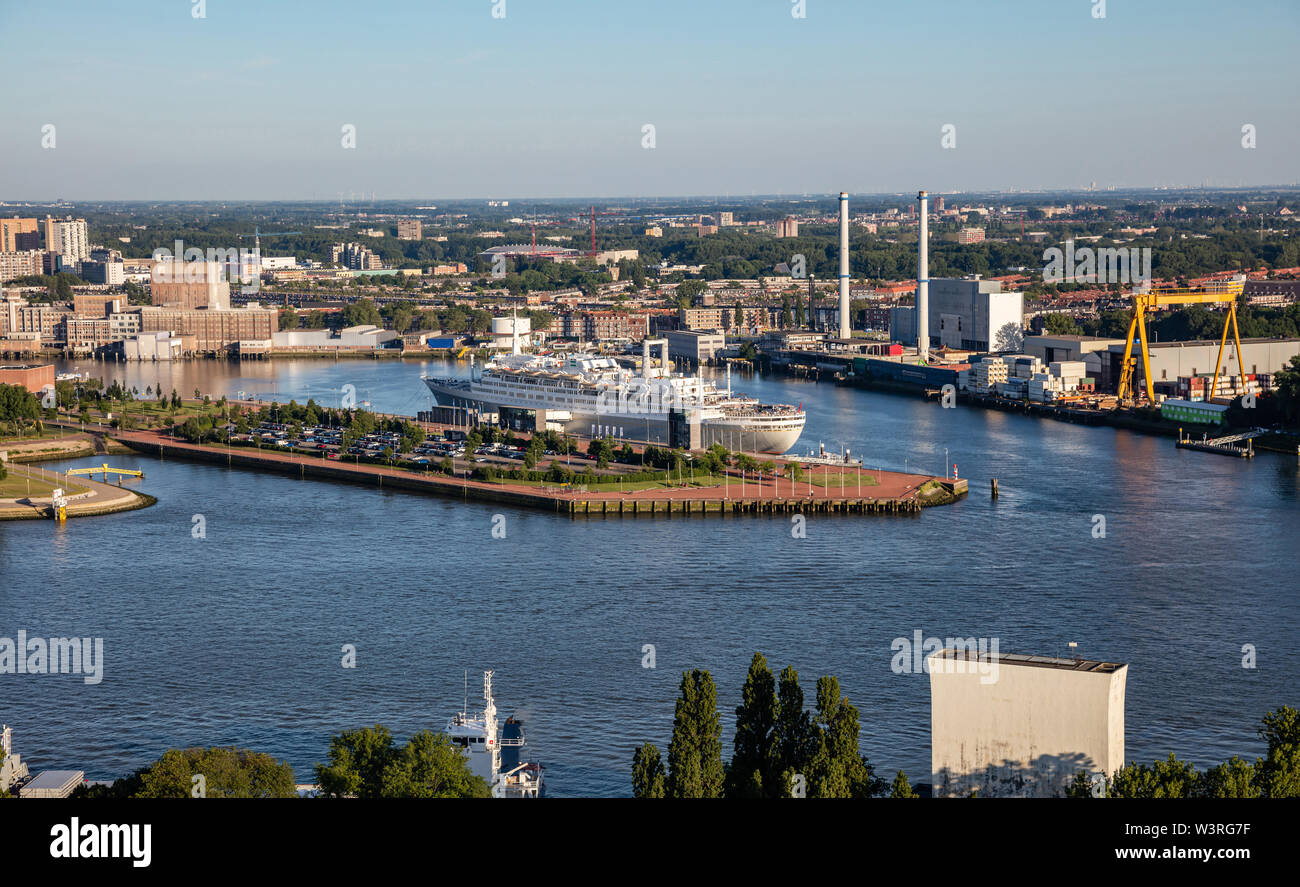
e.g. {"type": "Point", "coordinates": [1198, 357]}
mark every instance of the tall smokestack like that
{"type": "Point", "coordinates": [845, 331]}
{"type": "Point", "coordinates": [923, 280]}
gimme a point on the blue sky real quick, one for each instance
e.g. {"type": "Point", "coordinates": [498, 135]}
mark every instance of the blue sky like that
{"type": "Point", "coordinates": [248, 103]}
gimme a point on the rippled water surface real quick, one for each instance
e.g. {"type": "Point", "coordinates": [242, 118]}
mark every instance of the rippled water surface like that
{"type": "Point", "coordinates": [235, 639]}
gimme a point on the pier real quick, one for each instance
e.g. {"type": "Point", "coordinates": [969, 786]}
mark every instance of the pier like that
{"type": "Point", "coordinates": [1229, 445]}
{"type": "Point", "coordinates": [862, 492]}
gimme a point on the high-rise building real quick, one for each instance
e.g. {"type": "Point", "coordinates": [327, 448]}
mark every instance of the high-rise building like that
{"type": "Point", "coordinates": [355, 256]}
{"type": "Point", "coordinates": [787, 227]}
{"type": "Point", "coordinates": [409, 229]}
{"type": "Point", "coordinates": [9, 231]}
{"type": "Point", "coordinates": [970, 235]}
{"type": "Point", "coordinates": [726, 220]}
{"type": "Point", "coordinates": [67, 237]}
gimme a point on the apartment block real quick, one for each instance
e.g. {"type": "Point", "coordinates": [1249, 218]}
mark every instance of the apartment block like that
{"type": "Point", "coordinates": [67, 237]}
{"type": "Point", "coordinates": [11, 228]}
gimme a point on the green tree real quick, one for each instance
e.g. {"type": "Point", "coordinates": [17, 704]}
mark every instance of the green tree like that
{"type": "Point", "coordinates": [1287, 382]}
{"type": "Point", "coordinates": [1163, 779]}
{"type": "Point", "coordinates": [795, 738]}
{"type": "Point", "coordinates": [838, 769]}
{"type": "Point", "coordinates": [357, 759]}
{"type": "Point", "coordinates": [1061, 325]}
{"type": "Point", "coordinates": [431, 766]}
{"type": "Point", "coordinates": [226, 772]}
{"type": "Point", "coordinates": [695, 751]}
{"type": "Point", "coordinates": [1279, 770]}
{"type": "Point", "coordinates": [754, 771]}
{"type": "Point", "coordinates": [901, 788]}
{"type": "Point", "coordinates": [1233, 779]}
{"type": "Point", "coordinates": [361, 312]}
{"type": "Point", "coordinates": [648, 779]}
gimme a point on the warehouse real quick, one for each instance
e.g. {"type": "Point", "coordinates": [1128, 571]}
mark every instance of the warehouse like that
{"type": "Point", "coordinates": [694, 346]}
{"type": "Point", "coordinates": [1172, 360]}
{"type": "Point", "coordinates": [1191, 412]}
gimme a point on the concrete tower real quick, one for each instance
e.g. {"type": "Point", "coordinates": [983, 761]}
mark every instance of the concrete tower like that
{"type": "Point", "coordinates": [845, 330]}
{"type": "Point", "coordinates": [923, 280]}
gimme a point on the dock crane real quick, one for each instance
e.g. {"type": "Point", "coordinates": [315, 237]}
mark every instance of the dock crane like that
{"type": "Point", "coordinates": [1144, 303]}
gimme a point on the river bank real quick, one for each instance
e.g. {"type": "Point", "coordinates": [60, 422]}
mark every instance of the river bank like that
{"type": "Point", "coordinates": [85, 497]}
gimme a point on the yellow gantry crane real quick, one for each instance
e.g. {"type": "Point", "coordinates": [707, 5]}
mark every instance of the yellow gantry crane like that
{"type": "Point", "coordinates": [1144, 303]}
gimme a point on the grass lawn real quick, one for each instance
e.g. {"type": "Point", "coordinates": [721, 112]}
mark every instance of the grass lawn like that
{"type": "Point", "coordinates": [15, 487]}
{"type": "Point", "coordinates": [849, 481]}
{"type": "Point", "coordinates": [30, 435]}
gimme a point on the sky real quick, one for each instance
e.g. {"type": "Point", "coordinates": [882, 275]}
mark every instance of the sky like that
{"type": "Point", "coordinates": [249, 101]}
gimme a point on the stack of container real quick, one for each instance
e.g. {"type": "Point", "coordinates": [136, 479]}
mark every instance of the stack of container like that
{"type": "Point", "coordinates": [1197, 388]}
{"type": "Point", "coordinates": [1015, 388]}
{"type": "Point", "coordinates": [1044, 387]}
{"type": "Point", "coordinates": [1070, 372]}
{"type": "Point", "coordinates": [986, 375]}
{"type": "Point", "coordinates": [1023, 366]}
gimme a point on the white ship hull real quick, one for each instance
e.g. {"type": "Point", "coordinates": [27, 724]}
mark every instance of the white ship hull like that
{"type": "Point", "coordinates": [759, 433]}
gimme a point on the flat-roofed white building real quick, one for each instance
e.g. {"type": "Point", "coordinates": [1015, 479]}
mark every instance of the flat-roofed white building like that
{"type": "Point", "coordinates": [967, 314]}
{"type": "Point", "coordinates": [1009, 725]}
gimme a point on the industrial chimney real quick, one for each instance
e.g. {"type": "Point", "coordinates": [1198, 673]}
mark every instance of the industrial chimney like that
{"type": "Point", "coordinates": [923, 280]}
{"type": "Point", "coordinates": [845, 331]}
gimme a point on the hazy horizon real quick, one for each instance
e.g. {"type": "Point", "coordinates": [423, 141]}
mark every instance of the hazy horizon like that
{"type": "Point", "coordinates": [150, 104]}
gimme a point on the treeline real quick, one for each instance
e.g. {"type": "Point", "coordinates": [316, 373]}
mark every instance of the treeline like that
{"type": "Point", "coordinates": [364, 763]}
{"type": "Point", "coordinates": [1276, 775]}
{"type": "Point", "coordinates": [224, 772]}
{"type": "Point", "coordinates": [780, 749]}
{"type": "Point", "coordinates": [405, 317]}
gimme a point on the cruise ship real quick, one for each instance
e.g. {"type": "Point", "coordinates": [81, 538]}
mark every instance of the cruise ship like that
{"type": "Point", "coordinates": [594, 396]}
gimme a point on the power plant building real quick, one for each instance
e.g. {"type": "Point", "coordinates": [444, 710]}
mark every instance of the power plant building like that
{"type": "Point", "coordinates": [1008, 725]}
{"type": "Point", "coordinates": [966, 314]}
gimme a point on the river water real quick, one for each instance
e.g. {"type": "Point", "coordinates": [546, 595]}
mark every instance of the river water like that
{"type": "Point", "coordinates": [236, 638]}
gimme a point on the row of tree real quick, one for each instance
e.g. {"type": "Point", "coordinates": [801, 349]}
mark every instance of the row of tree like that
{"type": "Point", "coordinates": [364, 763]}
{"type": "Point", "coordinates": [1275, 775]}
{"type": "Point", "coordinates": [780, 749]}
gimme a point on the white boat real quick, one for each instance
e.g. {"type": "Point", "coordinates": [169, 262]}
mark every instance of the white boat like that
{"type": "Point", "coordinates": [595, 396]}
{"type": "Point", "coordinates": [494, 749]}
{"type": "Point", "coordinates": [821, 457]}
